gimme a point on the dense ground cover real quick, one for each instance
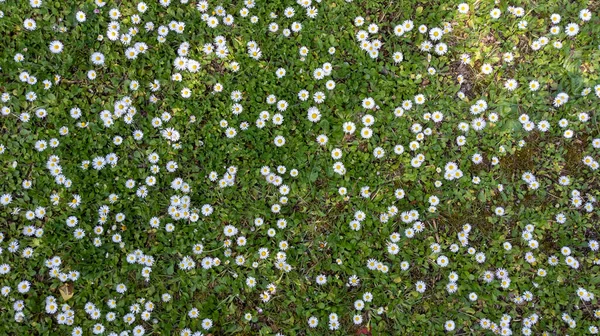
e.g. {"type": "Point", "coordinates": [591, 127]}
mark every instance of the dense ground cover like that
{"type": "Point", "coordinates": [299, 168]}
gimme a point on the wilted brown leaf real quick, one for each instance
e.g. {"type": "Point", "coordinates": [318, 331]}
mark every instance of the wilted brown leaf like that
{"type": "Point", "coordinates": [66, 291]}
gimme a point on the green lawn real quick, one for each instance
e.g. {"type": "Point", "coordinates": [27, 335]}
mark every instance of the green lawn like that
{"type": "Point", "coordinates": [291, 168]}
